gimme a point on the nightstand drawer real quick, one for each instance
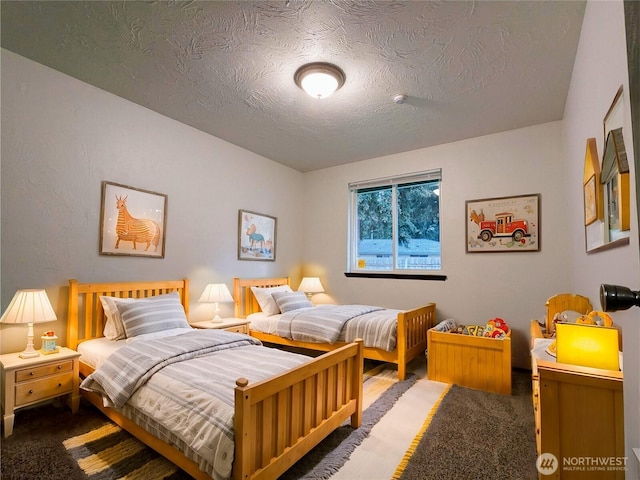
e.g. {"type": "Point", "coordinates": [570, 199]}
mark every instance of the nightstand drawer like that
{"type": "Point", "coordinates": [44, 370]}
{"type": "Point", "coordinates": [53, 386]}
{"type": "Point", "coordinates": [238, 329]}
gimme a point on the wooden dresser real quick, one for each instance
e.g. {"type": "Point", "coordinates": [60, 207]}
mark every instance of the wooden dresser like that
{"type": "Point", "coordinates": [579, 418]}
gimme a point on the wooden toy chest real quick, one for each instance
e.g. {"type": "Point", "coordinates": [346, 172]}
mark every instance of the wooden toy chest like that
{"type": "Point", "coordinates": [482, 363]}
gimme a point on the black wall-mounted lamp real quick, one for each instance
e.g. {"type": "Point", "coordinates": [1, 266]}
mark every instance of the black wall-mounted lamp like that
{"type": "Point", "coordinates": [616, 297]}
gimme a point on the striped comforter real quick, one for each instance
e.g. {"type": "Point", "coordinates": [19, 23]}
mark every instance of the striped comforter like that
{"type": "Point", "coordinates": [181, 388]}
{"type": "Point", "coordinates": [378, 327]}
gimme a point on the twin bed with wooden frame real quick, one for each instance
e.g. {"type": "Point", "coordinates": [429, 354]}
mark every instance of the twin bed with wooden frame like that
{"type": "Point", "coordinates": [277, 421]}
{"type": "Point", "coordinates": [411, 331]}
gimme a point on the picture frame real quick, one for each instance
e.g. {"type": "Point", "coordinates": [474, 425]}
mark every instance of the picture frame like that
{"type": "Point", "coordinates": [503, 224]}
{"type": "Point", "coordinates": [614, 117]}
{"type": "Point", "coordinates": [256, 236]}
{"type": "Point", "coordinates": [133, 221]}
{"type": "Point", "coordinates": [590, 201]}
{"type": "Point", "coordinates": [592, 194]}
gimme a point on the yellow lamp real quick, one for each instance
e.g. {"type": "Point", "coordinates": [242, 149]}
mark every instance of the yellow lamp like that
{"type": "Point", "coordinates": [587, 345]}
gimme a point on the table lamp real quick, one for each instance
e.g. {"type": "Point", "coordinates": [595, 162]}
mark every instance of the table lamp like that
{"type": "Point", "coordinates": [29, 306]}
{"type": "Point", "coordinates": [311, 285]}
{"type": "Point", "coordinates": [214, 293]}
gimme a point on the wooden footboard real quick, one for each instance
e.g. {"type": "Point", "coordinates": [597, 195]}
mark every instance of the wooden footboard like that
{"type": "Point", "coordinates": [279, 420]}
{"type": "Point", "coordinates": [412, 327]}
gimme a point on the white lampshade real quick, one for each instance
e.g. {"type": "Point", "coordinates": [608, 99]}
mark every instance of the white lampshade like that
{"type": "Point", "coordinates": [29, 306]}
{"type": "Point", "coordinates": [214, 293]}
{"type": "Point", "coordinates": [310, 285]}
{"type": "Point", "coordinates": [319, 79]}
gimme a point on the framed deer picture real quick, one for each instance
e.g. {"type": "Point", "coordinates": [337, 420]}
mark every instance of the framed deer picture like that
{"type": "Point", "coordinates": [256, 236]}
{"type": "Point", "coordinates": [133, 221]}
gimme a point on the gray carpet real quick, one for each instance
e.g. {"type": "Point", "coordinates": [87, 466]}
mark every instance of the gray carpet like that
{"type": "Point", "coordinates": [479, 435]}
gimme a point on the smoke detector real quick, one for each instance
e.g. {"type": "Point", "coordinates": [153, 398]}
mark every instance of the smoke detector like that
{"type": "Point", "coordinates": [400, 98]}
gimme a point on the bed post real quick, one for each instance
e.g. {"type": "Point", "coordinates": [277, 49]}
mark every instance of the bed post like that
{"type": "Point", "coordinates": [401, 348]}
{"type": "Point", "coordinates": [242, 454]}
{"type": "Point", "coordinates": [237, 298]}
{"type": "Point", "coordinates": [72, 315]}
{"type": "Point", "coordinates": [357, 385]}
{"type": "Point", "coordinates": [185, 296]}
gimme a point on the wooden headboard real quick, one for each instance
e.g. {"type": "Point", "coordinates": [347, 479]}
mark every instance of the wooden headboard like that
{"type": "Point", "coordinates": [245, 300]}
{"type": "Point", "coordinates": [86, 317]}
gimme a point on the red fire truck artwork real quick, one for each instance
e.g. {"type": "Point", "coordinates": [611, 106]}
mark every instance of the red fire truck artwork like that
{"type": "Point", "coordinates": [504, 226]}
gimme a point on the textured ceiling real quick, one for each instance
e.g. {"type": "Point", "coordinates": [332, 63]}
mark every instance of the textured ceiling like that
{"type": "Point", "coordinates": [226, 68]}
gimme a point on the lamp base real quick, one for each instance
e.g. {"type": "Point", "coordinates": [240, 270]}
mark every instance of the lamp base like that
{"type": "Point", "coordinates": [217, 319]}
{"type": "Point", "coordinates": [29, 354]}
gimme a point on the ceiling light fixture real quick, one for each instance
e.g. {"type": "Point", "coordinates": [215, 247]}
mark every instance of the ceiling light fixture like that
{"type": "Point", "coordinates": [319, 79]}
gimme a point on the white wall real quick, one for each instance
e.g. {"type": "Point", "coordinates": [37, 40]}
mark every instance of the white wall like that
{"type": "Point", "coordinates": [479, 287]}
{"type": "Point", "coordinates": [600, 68]}
{"type": "Point", "coordinates": [61, 138]}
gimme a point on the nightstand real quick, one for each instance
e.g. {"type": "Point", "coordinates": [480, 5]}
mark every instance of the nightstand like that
{"type": "Point", "coordinates": [26, 381]}
{"type": "Point", "coordinates": [240, 325]}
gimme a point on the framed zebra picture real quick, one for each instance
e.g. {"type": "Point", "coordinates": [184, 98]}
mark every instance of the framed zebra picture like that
{"type": "Point", "coordinates": [133, 221]}
{"type": "Point", "coordinates": [256, 236]}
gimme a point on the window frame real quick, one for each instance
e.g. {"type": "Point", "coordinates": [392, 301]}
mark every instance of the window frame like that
{"type": "Point", "coordinates": [353, 236]}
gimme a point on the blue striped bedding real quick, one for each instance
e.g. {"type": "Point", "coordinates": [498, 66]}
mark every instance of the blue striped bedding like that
{"type": "Point", "coordinates": [377, 326]}
{"type": "Point", "coordinates": [181, 388]}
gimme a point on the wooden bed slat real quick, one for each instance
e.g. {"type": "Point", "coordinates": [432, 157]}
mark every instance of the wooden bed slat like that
{"type": "Point", "coordinates": [267, 424]}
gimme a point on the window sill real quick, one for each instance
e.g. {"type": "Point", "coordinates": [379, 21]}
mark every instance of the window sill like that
{"type": "Point", "coordinates": [398, 276]}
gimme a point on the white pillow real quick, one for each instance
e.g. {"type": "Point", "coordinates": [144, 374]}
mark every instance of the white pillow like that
{"type": "Point", "coordinates": [266, 301]}
{"type": "Point", "coordinates": [287, 301]}
{"type": "Point", "coordinates": [152, 314]}
{"type": "Point", "coordinates": [113, 328]}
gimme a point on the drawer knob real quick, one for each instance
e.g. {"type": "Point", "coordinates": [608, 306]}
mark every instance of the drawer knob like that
{"type": "Point", "coordinates": [59, 367]}
{"type": "Point", "coordinates": [31, 373]}
{"type": "Point", "coordinates": [30, 392]}
{"type": "Point", "coordinates": [59, 385]}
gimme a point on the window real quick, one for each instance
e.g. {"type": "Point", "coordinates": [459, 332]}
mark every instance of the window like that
{"type": "Point", "coordinates": [394, 224]}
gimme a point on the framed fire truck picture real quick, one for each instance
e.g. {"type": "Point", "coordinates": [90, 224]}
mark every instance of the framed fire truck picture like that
{"type": "Point", "coordinates": [503, 224]}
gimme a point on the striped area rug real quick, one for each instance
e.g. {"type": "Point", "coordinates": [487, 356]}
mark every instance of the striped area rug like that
{"type": "Point", "coordinates": [110, 453]}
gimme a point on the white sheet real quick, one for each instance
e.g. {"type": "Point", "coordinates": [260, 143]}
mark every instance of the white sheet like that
{"type": "Point", "coordinates": [95, 351]}
{"type": "Point", "coordinates": [263, 323]}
